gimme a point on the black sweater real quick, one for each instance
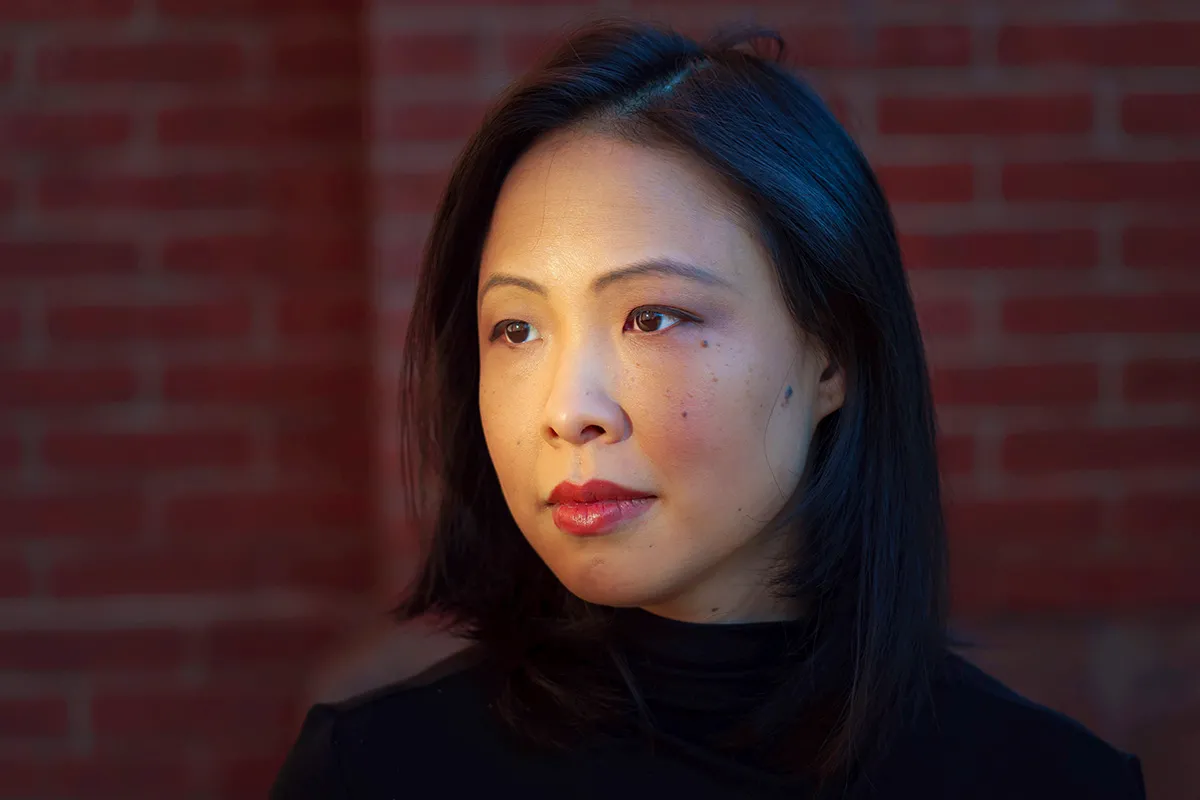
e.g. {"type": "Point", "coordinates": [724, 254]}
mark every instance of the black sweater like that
{"type": "Point", "coordinates": [435, 735]}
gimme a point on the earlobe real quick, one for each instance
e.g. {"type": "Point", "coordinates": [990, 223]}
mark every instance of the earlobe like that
{"type": "Point", "coordinates": [831, 390]}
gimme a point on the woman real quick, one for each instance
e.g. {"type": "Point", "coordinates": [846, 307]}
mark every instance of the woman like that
{"type": "Point", "coordinates": [675, 431]}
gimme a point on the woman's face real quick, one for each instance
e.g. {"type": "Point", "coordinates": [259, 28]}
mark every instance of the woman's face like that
{"type": "Point", "coordinates": [631, 331]}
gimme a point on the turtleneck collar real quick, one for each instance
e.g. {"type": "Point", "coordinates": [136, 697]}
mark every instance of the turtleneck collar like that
{"type": "Point", "coordinates": [701, 647]}
{"type": "Point", "coordinates": [699, 679]}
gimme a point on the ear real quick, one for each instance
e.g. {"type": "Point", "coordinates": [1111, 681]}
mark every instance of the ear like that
{"type": "Point", "coordinates": [831, 389]}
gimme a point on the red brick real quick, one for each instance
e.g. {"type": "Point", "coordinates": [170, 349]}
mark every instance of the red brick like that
{"type": "Point", "coordinates": [254, 9]}
{"type": "Point", "coordinates": [268, 644]}
{"type": "Point", "coordinates": [1170, 114]}
{"type": "Point", "coordinates": [348, 573]}
{"type": "Point", "coordinates": [922, 46]}
{"type": "Point", "coordinates": [147, 451]}
{"type": "Point", "coordinates": [8, 197]}
{"type": "Point", "coordinates": [340, 449]}
{"type": "Point", "coordinates": [35, 131]}
{"type": "Point", "coordinates": [10, 453]}
{"type": "Point", "coordinates": [523, 50]}
{"type": "Point", "coordinates": [1055, 385]}
{"type": "Point", "coordinates": [1119, 449]}
{"type": "Point", "coordinates": [273, 384]}
{"type": "Point", "coordinates": [1069, 584]}
{"type": "Point", "coordinates": [247, 776]}
{"type": "Point", "coordinates": [63, 513]}
{"type": "Point", "coordinates": [1103, 181]}
{"type": "Point", "coordinates": [290, 254]}
{"type": "Point", "coordinates": [985, 115]}
{"type": "Point", "coordinates": [34, 258]}
{"type": "Point", "coordinates": [1038, 521]}
{"type": "Point", "coordinates": [430, 122]}
{"type": "Point", "coordinates": [1006, 249]}
{"type": "Point", "coordinates": [410, 192]}
{"type": "Point", "coordinates": [1160, 247]}
{"type": "Point", "coordinates": [333, 55]}
{"type": "Point", "coordinates": [1160, 515]}
{"type": "Point", "coordinates": [19, 11]}
{"type": "Point", "coordinates": [927, 183]}
{"type": "Point", "coordinates": [945, 316]}
{"type": "Point", "coordinates": [314, 314]}
{"type": "Point", "coordinates": [1103, 313]}
{"type": "Point", "coordinates": [15, 578]}
{"type": "Point", "coordinates": [399, 262]}
{"type": "Point", "coordinates": [324, 191]}
{"type": "Point", "coordinates": [23, 718]}
{"type": "Point", "coordinates": [1130, 44]}
{"type": "Point", "coordinates": [482, 3]}
{"type": "Point", "coordinates": [10, 325]}
{"type": "Point", "coordinates": [245, 713]}
{"type": "Point", "coordinates": [199, 191]}
{"type": "Point", "coordinates": [890, 47]}
{"type": "Point", "coordinates": [230, 569]}
{"type": "Point", "coordinates": [141, 777]}
{"type": "Point", "coordinates": [956, 454]}
{"type": "Point", "coordinates": [173, 572]}
{"type": "Point", "coordinates": [261, 124]}
{"type": "Point", "coordinates": [64, 387]}
{"type": "Point", "coordinates": [226, 319]}
{"type": "Point", "coordinates": [295, 513]}
{"type": "Point", "coordinates": [1162, 381]}
{"type": "Point", "coordinates": [187, 62]}
{"type": "Point", "coordinates": [115, 651]}
{"type": "Point", "coordinates": [408, 54]}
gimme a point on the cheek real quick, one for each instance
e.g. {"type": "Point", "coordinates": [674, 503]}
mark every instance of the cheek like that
{"type": "Point", "coordinates": [698, 409]}
{"type": "Point", "coordinates": [506, 416]}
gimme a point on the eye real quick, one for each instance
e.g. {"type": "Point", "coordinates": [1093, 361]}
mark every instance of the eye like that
{"type": "Point", "coordinates": [514, 331]}
{"type": "Point", "coordinates": [651, 319]}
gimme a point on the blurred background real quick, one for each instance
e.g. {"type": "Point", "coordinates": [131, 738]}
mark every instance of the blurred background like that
{"type": "Point", "coordinates": [210, 216]}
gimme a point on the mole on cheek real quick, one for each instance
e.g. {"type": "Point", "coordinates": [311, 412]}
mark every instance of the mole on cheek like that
{"type": "Point", "coordinates": [685, 415]}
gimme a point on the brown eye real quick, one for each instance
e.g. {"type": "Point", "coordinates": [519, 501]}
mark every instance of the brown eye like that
{"type": "Point", "coordinates": [515, 331]}
{"type": "Point", "coordinates": [652, 320]}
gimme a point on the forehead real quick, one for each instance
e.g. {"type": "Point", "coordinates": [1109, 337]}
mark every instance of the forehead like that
{"type": "Point", "coordinates": [580, 204]}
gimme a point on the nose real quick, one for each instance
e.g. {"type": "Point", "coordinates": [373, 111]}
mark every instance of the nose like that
{"type": "Point", "coordinates": [581, 407]}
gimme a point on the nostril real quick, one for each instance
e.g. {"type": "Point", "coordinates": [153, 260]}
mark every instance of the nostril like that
{"type": "Point", "coordinates": [591, 432]}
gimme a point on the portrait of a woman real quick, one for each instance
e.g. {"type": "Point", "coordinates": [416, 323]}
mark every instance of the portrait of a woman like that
{"type": "Point", "coordinates": [672, 439]}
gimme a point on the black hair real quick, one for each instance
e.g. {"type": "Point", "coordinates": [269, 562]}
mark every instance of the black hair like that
{"type": "Point", "coordinates": [869, 557]}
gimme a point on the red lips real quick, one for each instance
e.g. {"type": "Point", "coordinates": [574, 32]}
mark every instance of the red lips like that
{"type": "Point", "coordinates": [594, 492]}
{"type": "Point", "coordinates": [596, 507]}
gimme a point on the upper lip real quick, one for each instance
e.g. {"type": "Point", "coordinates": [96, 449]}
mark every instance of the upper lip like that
{"type": "Point", "coordinates": [594, 491]}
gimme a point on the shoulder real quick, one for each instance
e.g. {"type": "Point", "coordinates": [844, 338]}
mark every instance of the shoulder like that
{"type": "Point", "coordinates": [349, 748]}
{"type": "Point", "coordinates": [992, 742]}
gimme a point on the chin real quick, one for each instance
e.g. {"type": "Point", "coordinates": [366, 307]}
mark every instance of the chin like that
{"type": "Point", "coordinates": [600, 583]}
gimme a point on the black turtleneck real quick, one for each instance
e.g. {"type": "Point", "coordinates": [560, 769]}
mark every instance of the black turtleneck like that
{"type": "Point", "coordinates": [436, 734]}
{"type": "Point", "coordinates": [700, 679]}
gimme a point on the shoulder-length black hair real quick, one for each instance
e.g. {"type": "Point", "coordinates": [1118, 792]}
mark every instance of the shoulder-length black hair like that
{"type": "Point", "coordinates": [870, 536]}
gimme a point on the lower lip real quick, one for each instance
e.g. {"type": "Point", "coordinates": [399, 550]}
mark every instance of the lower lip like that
{"type": "Point", "coordinates": [594, 519]}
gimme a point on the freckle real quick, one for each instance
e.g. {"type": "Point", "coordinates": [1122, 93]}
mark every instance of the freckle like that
{"type": "Point", "coordinates": [716, 379]}
{"type": "Point", "coordinates": [704, 343]}
{"type": "Point", "coordinates": [685, 415]}
{"type": "Point", "coordinates": [714, 610]}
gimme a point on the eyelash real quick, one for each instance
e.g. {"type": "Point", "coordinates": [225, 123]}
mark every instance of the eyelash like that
{"type": "Point", "coordinates": [683, 317]}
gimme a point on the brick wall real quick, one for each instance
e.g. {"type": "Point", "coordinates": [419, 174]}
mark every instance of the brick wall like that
{"type": "Point", "coordinates": [185, 338]}
{"type": "Point", "coordinates": [210, 211]}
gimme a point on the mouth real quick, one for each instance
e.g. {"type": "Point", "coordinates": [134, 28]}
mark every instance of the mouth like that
{"type": "Point", "coordinates": [597, 507]}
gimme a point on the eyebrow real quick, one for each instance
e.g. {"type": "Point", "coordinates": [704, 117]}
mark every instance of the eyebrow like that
{"type": "Point", "coordinates": [651, 266]}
